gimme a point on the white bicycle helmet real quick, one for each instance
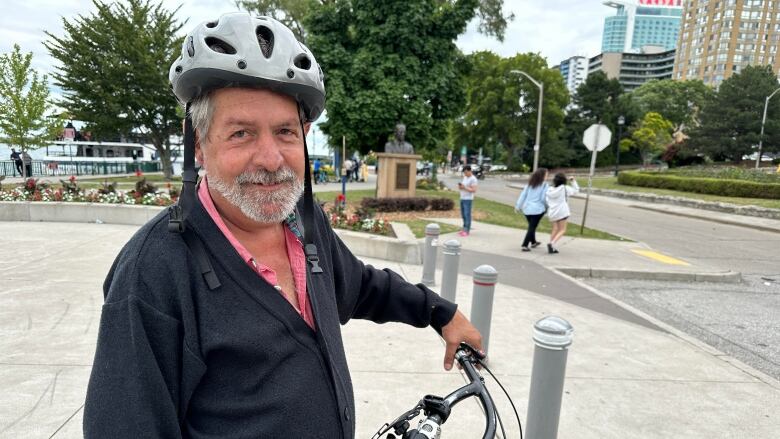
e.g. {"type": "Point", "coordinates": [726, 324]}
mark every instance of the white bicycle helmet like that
{"type": "Point", "coordinates": [255, 51]}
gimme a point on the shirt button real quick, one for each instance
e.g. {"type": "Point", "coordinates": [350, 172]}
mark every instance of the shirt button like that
{"type": "Point", "coordinates": [278, 287]}
{"type": "Point", "coordinates": [346, 414]}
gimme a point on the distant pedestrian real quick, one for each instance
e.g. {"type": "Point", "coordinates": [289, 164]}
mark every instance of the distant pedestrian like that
{"type": "Point", "coordinates": [532, 203]}
{"type": "Point", "coordinates": [17, 162]}
{"type": "Point", "coordinates": [317, 170]}
{"type": "Point", "coordinates": [558, 207]}
{"type": "Point", "coordinates": [27, 164]}
{"type": "Point", "coordinates": [348, 169]}
{"type": "Point", "coordinates": [467, 186]}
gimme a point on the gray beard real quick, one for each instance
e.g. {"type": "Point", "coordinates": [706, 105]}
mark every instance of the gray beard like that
{"type": "Point", "coordinates": [260, 206]}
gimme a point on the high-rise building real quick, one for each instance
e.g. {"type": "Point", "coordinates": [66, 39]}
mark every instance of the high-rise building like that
{"type": "Point", "coordinates": [640, 23]}
{"type": "Point", "coordinates": [634, 69]}
{"type": "Point", "coordinates": [721, 37]}
{"type": "Point", "coordinates": [574, 71]}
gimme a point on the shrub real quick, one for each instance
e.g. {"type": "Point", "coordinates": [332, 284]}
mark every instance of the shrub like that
{"type": "Point", "coordinates": [415, 204]}
{"type": "Point", "coordinates": [714, 186]}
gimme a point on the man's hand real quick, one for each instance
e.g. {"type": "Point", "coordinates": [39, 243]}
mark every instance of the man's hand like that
{"type": "Point", "coordinates": [457, 330]}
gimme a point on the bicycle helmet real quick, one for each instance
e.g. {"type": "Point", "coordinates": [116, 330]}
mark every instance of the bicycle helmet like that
{"type": "Point", "coordinates": [245, 50]}
{"type": "Point", "coordinates": [241, 50]}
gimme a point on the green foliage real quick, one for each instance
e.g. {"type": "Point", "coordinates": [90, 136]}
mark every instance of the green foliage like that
{"type": "Point", "coordinates": [726, 172]}
{"type": "Point", "coordinates": [389, 62]}
{"type": "Point", "coordinates": [596, 98]}
{"type": "Point", "coordinates": [714, 186]}
{"type": "Point", "coordinates": [410, 204]}
{"type": "Point", "coordinates": [731, 121]}
{"type": "Point", "coordinates": [677, 101]}
{"type": "Point", "coordinates": [114, 71]}
{"type": "Point", "coordinates": [24, 103]}
{"type": "Point", "coordinates": [651, 136]}
{"type": "Point", "coordinates": [493, 115]}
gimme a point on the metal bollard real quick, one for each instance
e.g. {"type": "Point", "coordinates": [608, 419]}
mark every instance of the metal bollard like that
{"type": "Point", "coordinates": [449, 275]}
{"type": "Point", "coordinates": [552, 336]}
{"type": "Point", "coordinates": [429, 254]}
{"type": "Point", "coordinates": [485, 278]}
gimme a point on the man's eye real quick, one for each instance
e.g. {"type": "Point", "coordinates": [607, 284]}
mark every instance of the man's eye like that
{"type": "Point", "coordinates": [238, 134]}
{"type": "Point", "coordinates": [287, 132]}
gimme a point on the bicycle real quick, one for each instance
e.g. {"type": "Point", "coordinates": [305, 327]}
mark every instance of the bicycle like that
{"type": "Point", "coordinates": [437, 409]}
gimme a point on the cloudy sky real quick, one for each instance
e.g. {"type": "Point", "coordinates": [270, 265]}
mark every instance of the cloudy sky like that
{"type": "Point", "coordinates": [557, 29]}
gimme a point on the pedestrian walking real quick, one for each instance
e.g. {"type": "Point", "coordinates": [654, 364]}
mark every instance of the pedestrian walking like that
{"type": "Point", "coordinates": [558, 207]}
{"type": "Point", "coordinates": [533, 204]}
{"type": "Point", "coordinates": [27, 164]}
{"type": "Point", "coordinates": [317, 170]}
{"type": "Point", "coordinates": [17, 162]}
{"type": "Point", "coordinates": [348, 169]}
{"type": "Point", "coordinates": [467, 186]}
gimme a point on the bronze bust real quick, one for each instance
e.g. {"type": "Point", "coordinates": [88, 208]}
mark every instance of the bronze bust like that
{"type": "Point", "coordinates": [399, 145]}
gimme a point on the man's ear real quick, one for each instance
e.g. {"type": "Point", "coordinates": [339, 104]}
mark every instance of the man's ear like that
{"type": "Point", "coordinates": [199, 156]}
{"type": "Point", "coordinates": [306, 128]}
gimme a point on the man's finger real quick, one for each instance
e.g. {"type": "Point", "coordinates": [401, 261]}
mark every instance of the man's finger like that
{"type": "Point", "coordinates": [449, 355]}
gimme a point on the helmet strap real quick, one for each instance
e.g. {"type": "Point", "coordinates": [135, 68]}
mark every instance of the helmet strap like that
{"type": "Point", "coordinates": [309, 248]}
{"type": "Point", "coordinates": [179, 212]}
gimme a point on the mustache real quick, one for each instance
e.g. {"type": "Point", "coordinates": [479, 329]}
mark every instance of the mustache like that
{"type": "Point", "coordinates": [265, 177]}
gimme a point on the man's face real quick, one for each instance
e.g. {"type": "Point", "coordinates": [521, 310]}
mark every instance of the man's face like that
{"type": "Point", "coordinates": [400, 132]}
{"type": "Point", "coordinates": [253, 155]}
{"type": "Point", "coordinates": [467, 173]}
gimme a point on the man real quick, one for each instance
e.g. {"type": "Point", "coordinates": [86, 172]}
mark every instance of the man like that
{"type": "Point", "coordinates": [17, 162]}
{"type": "Point", "coordinates": [467, 186]}
{"type": "Point", "coordinates": [230, 325]}
{"type": "Point", "coordinates": [398, 145]}
{"type": "Point", "coordinates": [27, 161]}
{"type": "Point", "coordinates": [317, 170]}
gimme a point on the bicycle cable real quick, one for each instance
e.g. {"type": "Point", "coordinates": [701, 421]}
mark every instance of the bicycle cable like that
{"type": "Point", "coordinates": [519, 424]}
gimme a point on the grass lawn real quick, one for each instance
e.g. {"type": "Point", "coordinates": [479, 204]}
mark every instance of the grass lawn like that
{"type": "Point", "coordinates": [611, 183]}
{"type": "Point", "coordinates": [418, 227]}
{"type": "Point", "coordinates": [492, 213]}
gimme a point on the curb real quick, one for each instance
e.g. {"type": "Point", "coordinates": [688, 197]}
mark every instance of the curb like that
{"type": "Point", "coordinates": [674, 276]}
{"type": "Point", "coordinates": [728, 359]}
{"type": "Point", "coordinates": [710, 219]}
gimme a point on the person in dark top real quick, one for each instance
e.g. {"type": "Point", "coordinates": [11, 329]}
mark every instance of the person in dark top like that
{"type": "Point", "coordinates": [17, 158]}
{"type": "Point", "coordinates": [222, 315]}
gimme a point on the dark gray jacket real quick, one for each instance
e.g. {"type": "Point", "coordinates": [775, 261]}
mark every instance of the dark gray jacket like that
{"type": "Point", "coordinates": [175, 359]}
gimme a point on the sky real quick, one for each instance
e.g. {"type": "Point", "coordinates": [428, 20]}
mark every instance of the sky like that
{"type": "Point", "coordinates": [557, 29]}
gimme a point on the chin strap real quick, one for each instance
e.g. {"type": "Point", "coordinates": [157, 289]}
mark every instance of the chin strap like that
{"type": "Point", "coordinates": [309, 248]}
{"type": "Point", "coordinates": [177, 221]}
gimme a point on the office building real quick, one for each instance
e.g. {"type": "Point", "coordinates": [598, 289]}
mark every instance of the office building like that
{"type": "Point", "coordinates": [634, 69]}
{"type": "Point", "coordinates": [574, 71]}
{"type": "Point", "coordinates": [640, 23]}
{"type": "Point", "coordinates": [720, 37]}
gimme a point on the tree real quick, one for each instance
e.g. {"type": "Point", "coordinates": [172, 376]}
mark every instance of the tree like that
{"type": "Point", "coordinates": [596, 99]}
{"type": "Point", "coordinates": [493, 114]}
{"type": "Point", "coordinates": [650, 137]}
{"type": "Point", "coordinates": [677, 101]}
{"type": "Point", "coordinates": [114, 72]}
{"type": "Point", "coordinates": [389, 62]}
{"type": "Point", "coordinates": [24, 103]}
{"type": "Point", "coordinates": [292, 13]}
{"type": "Point", "coordinates": [731, 121]}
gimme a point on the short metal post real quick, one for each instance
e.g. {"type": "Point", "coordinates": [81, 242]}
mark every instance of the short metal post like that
{"type": "Point", "coordinates": [485, 278]}
{"type": "Point", "coordinates": [429, 254]}
{"type": "Point", "coordinates": [449, 275]}
{"type": "Point", "coordinates": [552, 336]}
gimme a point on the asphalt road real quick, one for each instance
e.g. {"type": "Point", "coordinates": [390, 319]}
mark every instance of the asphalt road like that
{"type": "Point", "coordinates": [699, 242]}
{"type": "Point", "coordinates": [740, 320]}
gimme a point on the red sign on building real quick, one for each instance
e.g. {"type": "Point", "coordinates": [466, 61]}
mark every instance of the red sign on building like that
{"type": "Point", "coordinates": [673, 3]}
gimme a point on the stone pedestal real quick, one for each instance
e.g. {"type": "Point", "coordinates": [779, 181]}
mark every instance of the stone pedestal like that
{"type": "Point", "coordinates": [397, 175]}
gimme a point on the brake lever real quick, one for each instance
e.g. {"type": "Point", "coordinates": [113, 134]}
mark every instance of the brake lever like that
{"type": "Point", "coordinates": [471, 350]}
{"type": "Point", "coordinates": [401, 423]}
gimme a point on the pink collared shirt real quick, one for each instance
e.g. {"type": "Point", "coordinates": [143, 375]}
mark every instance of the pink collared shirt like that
{"type": "Point", "coordinates": [295, 255]}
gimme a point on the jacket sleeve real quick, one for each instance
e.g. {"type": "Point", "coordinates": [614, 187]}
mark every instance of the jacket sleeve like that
{"type": "Point", "coordinates": [521, 199]}
{"type": "Point", "coordinates": [365, 292]}
{"type": "Point", "coordinates": [134, 388]}
{"type": "Point", "coordinates": [573, 189]}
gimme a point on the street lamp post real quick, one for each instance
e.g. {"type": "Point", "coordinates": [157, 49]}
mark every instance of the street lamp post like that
{"type": "Point", "coordinates": [763, 122]}
{"type": "Point", "coordinates": [621, 121]}
{"type": "Point", "coordinates": [538, 115]}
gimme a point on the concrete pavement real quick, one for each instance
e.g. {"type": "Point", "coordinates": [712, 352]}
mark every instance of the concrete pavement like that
{"type": "Point", "coordinates": [624, 379]}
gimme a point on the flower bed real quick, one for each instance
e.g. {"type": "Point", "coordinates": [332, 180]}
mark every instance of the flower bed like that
{"type": "Point", "coordinates": [359, 220]}
{"type": "Point", "coordinates": [34, 190]}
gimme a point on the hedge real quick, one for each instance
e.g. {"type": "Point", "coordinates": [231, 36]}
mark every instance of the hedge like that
{"type": "Point", "coordinates": [712, 186]}
{"type": "Point", "coordinates": [407, 204]}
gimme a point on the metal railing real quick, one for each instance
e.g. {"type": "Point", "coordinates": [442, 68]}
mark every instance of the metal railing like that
{"type": "Point", "coordinates": [41, 168]}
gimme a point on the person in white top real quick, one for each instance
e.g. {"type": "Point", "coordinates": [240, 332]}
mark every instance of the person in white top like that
{"type": "Point", "coordinates": [467, 188]}
{"type": "Point", "coordinates": [558, 207]}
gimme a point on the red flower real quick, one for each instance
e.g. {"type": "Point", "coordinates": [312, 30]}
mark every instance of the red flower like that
{"type": "Point", "coordinates": [72, 179]}
{"type": "Point", "coordinates": [341, 198]}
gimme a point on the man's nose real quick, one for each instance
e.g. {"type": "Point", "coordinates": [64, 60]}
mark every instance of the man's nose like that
{"type": "Point", "coordinates": [267, 154]}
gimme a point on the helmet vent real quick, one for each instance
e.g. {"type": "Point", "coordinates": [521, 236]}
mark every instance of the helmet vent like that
{"type": "Point", "coordinates": [265, 38]}
{"type": "Point", "coordinates": [212, 24]}
{"type": "Point", "coordinates": [302, 61]}
{"type": "Point", "coordinates": [220, 46]}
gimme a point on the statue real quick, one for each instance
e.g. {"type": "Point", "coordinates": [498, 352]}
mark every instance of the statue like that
{"type": "Point", "coordinates": [399, 145]}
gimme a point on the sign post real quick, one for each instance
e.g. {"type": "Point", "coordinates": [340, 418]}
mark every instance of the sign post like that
{"type": "Point", "coordinates": [596, 138]}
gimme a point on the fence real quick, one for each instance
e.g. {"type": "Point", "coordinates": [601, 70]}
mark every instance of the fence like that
{"type": "Point", "coordinates": [47, 168]}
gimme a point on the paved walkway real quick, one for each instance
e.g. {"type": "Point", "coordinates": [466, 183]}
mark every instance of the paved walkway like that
{"type": "Point", "coordinates": [625, 378]}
